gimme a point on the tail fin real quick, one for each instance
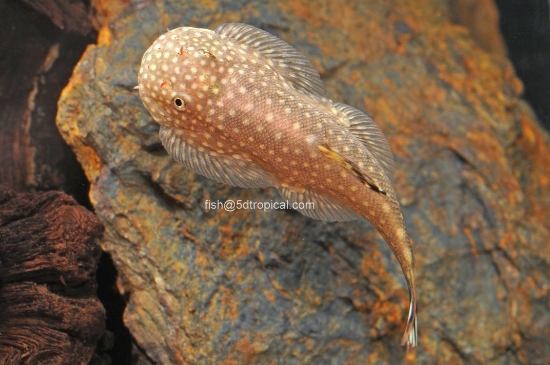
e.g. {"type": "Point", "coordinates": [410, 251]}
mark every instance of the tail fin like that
{"type": "Point", "coordinates": [411, 335]}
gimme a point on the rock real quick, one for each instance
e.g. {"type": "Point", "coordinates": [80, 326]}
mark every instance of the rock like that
{"type": "Point", "coordinates": [49, 311]}
{"type": "Point", "coordinates": [481, 17]}
{"type": "Point", "coordinates": [257, 287]}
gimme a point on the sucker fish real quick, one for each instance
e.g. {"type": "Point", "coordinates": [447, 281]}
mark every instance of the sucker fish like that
{"type": "Point", "coordinates": [241, 106]}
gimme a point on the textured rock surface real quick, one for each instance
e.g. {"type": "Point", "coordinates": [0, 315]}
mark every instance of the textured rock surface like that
{"type": "Point", "coordinates": [49, 311]}
{"type": "Point", "coordinates": [211, 286]}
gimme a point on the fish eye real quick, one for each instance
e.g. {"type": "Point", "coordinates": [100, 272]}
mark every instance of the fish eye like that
{"type": "Point", "coordinates": [179, 103]}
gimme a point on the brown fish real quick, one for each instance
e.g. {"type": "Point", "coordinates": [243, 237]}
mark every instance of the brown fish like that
{"type": "Point", "coordinates": [243, 107]}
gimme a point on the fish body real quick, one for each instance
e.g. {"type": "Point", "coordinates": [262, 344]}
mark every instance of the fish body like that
{"type": "Point", "coordinates": [243, 107]}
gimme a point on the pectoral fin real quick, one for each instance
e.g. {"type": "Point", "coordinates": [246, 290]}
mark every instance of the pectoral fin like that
{"type": "Point", "coordinates": [290, 63]}
{"type": "Point", "coordinates": [320, 207]}
{"type": "Point", "coordinates": [225, 169]}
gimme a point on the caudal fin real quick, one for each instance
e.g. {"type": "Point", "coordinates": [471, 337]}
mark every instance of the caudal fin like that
{"type": "Point", "coordinates": [411, 335]}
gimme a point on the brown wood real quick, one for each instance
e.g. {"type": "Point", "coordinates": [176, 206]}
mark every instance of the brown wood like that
{"type": "Point", "coordinates": [49, 311]}
{"type": "Point", "coordinates": [36, 61]}
{"type": "Point", "coordinates": [68, 15]}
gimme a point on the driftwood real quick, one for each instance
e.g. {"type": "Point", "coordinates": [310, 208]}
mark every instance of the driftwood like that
{"type": "Point", "coordinates": [37, 58]}
{"type": "Point", "coordinates": [49, 312]}
{"type": "Point", "coordinates": [68, 15]}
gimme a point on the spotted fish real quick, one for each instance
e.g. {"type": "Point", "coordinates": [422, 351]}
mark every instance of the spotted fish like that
{"type": "Point", "coordinates": [243, 107]}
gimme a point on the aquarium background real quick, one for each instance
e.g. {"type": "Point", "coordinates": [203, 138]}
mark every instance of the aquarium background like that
{"type": "Point", "coordinates": [180, 283]}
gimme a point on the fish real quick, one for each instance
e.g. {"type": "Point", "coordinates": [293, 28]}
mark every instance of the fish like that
{"type": "Point", "coordinates": [243, 107]}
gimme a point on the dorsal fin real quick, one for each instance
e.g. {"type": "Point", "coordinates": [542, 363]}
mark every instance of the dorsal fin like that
{"type": "Point", "coordinates": [363, 127]}
{"type": "Point", "coordinates": [291, 64]}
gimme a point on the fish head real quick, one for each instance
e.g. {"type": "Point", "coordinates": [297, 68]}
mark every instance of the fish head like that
{"type": "Point", "coordinates": [178, 77]}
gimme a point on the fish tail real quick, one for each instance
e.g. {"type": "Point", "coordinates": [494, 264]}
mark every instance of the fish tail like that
{"type": "Point", "coordinates": [410, 338]}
